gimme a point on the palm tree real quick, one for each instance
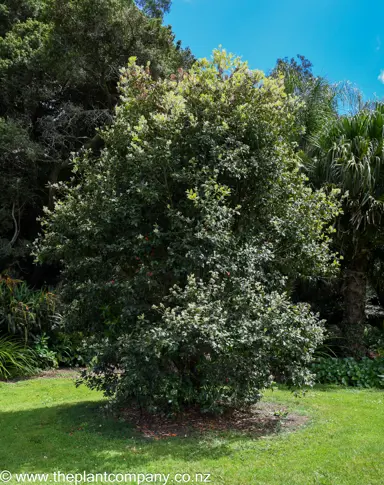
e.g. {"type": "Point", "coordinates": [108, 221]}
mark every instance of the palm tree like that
{"type": "Point", "coordinates": [319, 98]}
{"type": "Point", "coordinates": [349, 154]}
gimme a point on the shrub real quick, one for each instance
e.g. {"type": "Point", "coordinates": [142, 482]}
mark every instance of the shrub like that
{"type": "Point", "coordinates": [24, 312]}
{"type": "Point", "coordinates": [32, 316]}
{"type": "Point", "coordinates": [16, 359]}
{"type": "Point", "coordinates": [47, 358]}
{"type": "Point", "coordinates": [70, 348]}
{"type": "Point", "coordinates": [374, 340]}
{"type": "Point", "coordinates": [350, 372]}
{"type": "Point", "coordinates": [181, 241]}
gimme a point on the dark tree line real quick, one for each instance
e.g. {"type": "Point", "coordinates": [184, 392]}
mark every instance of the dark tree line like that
{"type": "Point", "coordinates": [59, 71]}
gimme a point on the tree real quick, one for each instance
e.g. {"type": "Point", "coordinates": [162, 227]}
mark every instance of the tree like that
{"type": "Point", "coordinates": [349, 154]}
{"type": "Point", "coordinates": [59, 69]}
{"type": "Point", "coordinates": [180, 241]}
{"type": "Point", "coordinates": [319, 98]}
{"type": "Point", "coordinates": [18, 181]}
{"type": "Point", "coordinates": [154, 8]}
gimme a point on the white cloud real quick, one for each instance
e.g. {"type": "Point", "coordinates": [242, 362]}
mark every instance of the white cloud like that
{"type": "Point", "coordinates": [381, 76]}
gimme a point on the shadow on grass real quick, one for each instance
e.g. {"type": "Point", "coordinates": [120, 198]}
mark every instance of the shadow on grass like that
{"type": "Point", "coordinates": [80, 437]}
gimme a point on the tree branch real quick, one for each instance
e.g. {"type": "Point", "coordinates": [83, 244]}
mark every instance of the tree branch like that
{"type": "Point", "coordinates": [17, 227]}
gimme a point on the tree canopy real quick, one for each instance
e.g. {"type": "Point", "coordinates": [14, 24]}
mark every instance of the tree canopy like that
{"type": "Point", "coordinates": [180, 241]}
{"type": "Point", "coordinates": [318, 96]}
{"type": "Point", "coordinates": [59, 70]}
{"type": "Point", "coordinates": [349, 154]}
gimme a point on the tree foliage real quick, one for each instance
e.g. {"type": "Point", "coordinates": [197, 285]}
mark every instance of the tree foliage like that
{"type": "Point", "coordinates": [59, 70]}
{"type": "Point", "coordinates": [154, 8]}
{"type": "Point", "coordinates": [180, 241]}
{"type": "Point", "coordinates": [349, 154]}
{"type": "Point", "coordinates": [320, 98]}
{"type": "Point", "coordinates": [18, 181]}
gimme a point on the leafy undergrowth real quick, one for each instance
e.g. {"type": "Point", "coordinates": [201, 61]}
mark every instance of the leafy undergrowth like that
{"type": "Point", "coordinates": [48, 425]}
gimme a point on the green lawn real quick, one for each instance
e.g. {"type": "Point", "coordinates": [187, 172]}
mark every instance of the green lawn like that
{"type": "Point", "coordinates": [48, 425]}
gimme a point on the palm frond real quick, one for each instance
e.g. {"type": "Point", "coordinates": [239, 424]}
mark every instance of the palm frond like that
{"type": "Point", "coordinates": [349, 154]}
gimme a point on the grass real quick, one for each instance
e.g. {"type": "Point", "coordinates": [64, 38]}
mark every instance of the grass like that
{"type": "Point", "coordinates": [48, 425]}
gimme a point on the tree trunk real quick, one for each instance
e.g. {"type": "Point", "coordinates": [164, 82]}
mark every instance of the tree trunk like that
{"type": "Point", "coordinates": [354, 293]}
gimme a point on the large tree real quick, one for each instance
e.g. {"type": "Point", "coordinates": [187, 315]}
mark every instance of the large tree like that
{"type": "Point", "coordinates": [180, 241]}
{"type": "Point", "coordinates": [349, 154]}
{"type": "Point", "coordinates": [319, 98]}
{"type": "Point", "coordinates": [59, 70]}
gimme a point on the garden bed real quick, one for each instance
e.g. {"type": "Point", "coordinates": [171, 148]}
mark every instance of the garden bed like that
{"type": "Point", "coordinates": [260, 420]}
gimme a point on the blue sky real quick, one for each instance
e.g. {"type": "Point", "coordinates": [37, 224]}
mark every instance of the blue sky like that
{"type": "Point", "coordinates": [343, 39]}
